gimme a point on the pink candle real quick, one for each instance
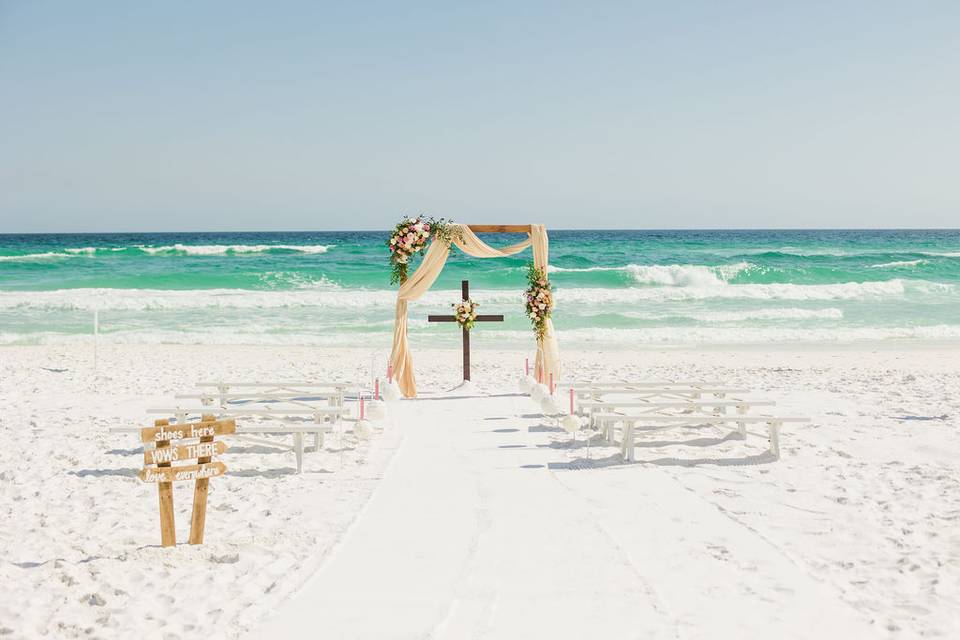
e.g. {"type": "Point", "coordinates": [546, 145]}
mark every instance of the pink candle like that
{"type": "Point", "coordinates": [361, 406]}
{"type": "Point", "coordinates": [389, 371]}
{"type": "Point", "coordinates": [526, 366]}
{"type": "Point", "coordinates": [376, 389]}
{"type": "Point", "coordinates": [571, 401]}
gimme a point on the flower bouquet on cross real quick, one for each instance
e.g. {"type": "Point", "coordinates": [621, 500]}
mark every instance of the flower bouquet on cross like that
{"type": "Point", "coordinates": [410, 237]}
{"type": "Point", "coordinates": [465, 313]}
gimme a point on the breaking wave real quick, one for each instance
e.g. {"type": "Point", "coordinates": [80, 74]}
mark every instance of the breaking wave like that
{"type": "Point", "coordinates": [898, 263]}
{"type": "Point", "coordinates": [671, 275]}
{"type": "Point", "coordinates": [831, 313]}
{"type": "Point", "coordinates": [621, 338]}
{"type": "Point", "coordinates": [172, 250]}
{"type": "Point", "coordinates": [326, 295]}
{"type": "Point", "coordinates": [227, 249]}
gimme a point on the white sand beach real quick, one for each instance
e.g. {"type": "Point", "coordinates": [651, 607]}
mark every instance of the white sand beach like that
{"type": "Point", "coordinates": [475, 517]}
{"type": "Point", "coordinates": [728, 233]}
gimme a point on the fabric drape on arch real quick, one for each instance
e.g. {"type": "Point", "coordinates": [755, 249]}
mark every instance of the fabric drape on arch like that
{"type": "Point", "coordinates": [548, 353]}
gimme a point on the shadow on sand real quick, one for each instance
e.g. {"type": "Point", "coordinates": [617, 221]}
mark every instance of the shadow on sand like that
{"type": "Point", "coordinates": [543, 428]}
{"type": "Point", "coordinates": [616, 460]}
{"type": "Point", "coordinates": [480, 395]}
{"type": "Point", "coordinates": [272, 473]}
{"type": "Point", "coordinates": [100, 473]}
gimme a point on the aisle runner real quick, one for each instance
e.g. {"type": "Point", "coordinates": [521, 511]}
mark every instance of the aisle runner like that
{"type": "Point", "coordinates": [473, 533]}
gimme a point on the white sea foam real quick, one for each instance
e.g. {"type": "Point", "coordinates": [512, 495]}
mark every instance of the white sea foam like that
{"type": "Point", "coordinates": [795, 251]}
{"type": "Point", "coordinates": [223, 249]}
{"type": "Point", "coordinates": [671, 275]}
{"type": "Point", "coordinates": [745, 335]}
{"type": "Point", "coordinates": [330, 296]}
{"type": "Point", "coordinates": [174, 249]}
{"type": "Point", "coordinates": [34, 256]}
{"type": "Point", "coordinates": [287, 279]}
{"type": "Point", "coordinates": [898, 263]}
{"type": "Point", "coordinates": [576, 338]}
{"type": "Point", "coordinates": [831, 313]}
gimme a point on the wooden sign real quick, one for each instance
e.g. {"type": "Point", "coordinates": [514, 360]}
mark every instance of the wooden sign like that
{"type": "Point", "coordinates": [165, 473]}
{"type": "Point", "coordinates": [185, 472]}
{"type": "Point", "coordinates": [183, 452]}
{"type": "Point", "coordinates": [202, 429]}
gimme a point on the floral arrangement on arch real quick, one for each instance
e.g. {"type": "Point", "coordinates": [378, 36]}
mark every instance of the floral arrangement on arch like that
{"type": "Point", "coordinates": [539, 297]}
{"type": "Point", "coordinates": [465, 313]}
{"type": "Point", "coordinates": [410, 237]}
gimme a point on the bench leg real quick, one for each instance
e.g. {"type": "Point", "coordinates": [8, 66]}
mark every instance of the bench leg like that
{"type": "Point", "coordinates": [626, 446]}
{"type": "Point", "coordinates": [298, 447]}
{"type": "Point", "coordinates": [774, 430]}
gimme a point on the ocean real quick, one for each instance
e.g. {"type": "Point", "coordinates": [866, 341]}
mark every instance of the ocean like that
{"type": "Point", "coordinates": [632, 289]}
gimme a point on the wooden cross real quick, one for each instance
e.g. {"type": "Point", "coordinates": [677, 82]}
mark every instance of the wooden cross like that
{"type": "Point", "coordinates": [465, 290]}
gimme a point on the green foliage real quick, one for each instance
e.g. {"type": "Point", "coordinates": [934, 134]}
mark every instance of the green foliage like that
{"type": "Point", "coordinates": [411, 237]}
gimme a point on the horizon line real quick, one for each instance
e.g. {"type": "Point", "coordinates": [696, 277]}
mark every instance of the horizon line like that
{"type": "Point", "coordinates": [387, 230]}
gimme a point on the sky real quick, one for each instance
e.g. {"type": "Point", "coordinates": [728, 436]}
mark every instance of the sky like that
{"type": "Point", "coordinates": [228, 116]}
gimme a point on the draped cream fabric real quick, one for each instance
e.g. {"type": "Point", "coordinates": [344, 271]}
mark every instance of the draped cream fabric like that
{"type": "Point", "coordinates": [548, 353]}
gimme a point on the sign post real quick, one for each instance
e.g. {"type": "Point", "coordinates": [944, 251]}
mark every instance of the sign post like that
{"type": "Point", "coordinates": [168, 531]}
{"type": "Point", "coordinates": [198, 519]}
{"type": "Point", "coordinates": [158, 467]}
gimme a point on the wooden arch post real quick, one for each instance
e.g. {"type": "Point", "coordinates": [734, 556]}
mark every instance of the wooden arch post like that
{"type": "Point", "coordinates": [499, 228]}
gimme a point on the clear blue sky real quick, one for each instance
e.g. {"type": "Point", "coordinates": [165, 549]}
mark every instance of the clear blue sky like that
{"type": "Point", "coordinates": [313, 115]}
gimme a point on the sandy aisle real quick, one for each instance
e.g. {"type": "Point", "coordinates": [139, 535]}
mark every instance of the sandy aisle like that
{"type": "Point", "coordinates": [481, 529]}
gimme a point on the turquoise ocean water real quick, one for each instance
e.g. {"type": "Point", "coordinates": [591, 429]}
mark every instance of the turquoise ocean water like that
{"type": "Point", "coordinates": [638, 288]}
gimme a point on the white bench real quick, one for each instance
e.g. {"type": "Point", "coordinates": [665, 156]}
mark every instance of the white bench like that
{"type": "Point", "coordinates": [638, 393]}
{"type": "Point", "coordinates": [323, 420]}
{"type": "Point", "coordinates": [252, 391]}
{"type": "Point", "coordinates": [658, 422]}
{"type": "Point", "coordinates": [700, 407]}
{"type": "Point", "coordinates": [586, 385]}
{"type": "Point", "coordinates": [304, 398]}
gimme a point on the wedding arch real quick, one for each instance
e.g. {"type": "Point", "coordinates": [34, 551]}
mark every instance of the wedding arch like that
{"type": "Point", "coordinates": [416, 284]}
